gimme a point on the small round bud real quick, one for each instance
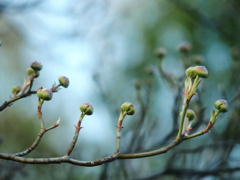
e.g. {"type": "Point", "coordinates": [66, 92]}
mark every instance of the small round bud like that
{"type": "Point", "coordinates": [160, 52]}
{"type": "Point", "coordinates": [31, 71]}
{"type": "Point", "coordinates": [36, 66]}
{"type": "Point", "coordinates": [185, 48]}
{"type": "Point", "coordinates": [221, 105]}
{"type": "Point", "coordinates": [16, 89]}
{"type": "Point", "coordinates": [190, 114]}
{"type": "Point", "coordinates": [44, 94]}
{"type": "Point", "coordinates": [63, 81]}
{"type": "Point", "coordinates": [128, 107]}
{"type": "Point", "coordinates": [86, 108]}
{"type": "Point", "coordinates": [200, 71]}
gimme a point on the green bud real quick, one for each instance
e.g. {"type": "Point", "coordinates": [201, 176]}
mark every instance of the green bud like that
{"type": "Point", "coordinates": [44, 94]}
{"type": "Point", "coordinates": [31, 71]}
{"type": "Point", "coordinates": [200, 71]}
{"type": "Point", "coordinates": [63, 81]}
{"type": "Point", "coordinates": [86, 108]}
{"type": "Point", "coordinates": [36, 66]}
{"type": "Point", "coordinates": [190, 114]}
{"type": "Point", "coordinates": [221, 105]}
{"type": "Point", "coordinates": [16, 89]}
{"type": "Point", "coordinates": [128, 108]}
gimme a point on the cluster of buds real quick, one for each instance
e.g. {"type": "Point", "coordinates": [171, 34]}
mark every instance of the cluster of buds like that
{"type": "Point", "coordinates": [34, 69]}
{"type": "Point", "coordinates": [44, 94]}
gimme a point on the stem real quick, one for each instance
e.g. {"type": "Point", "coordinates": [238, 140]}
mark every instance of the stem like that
{"type": "Point", "coordinates": [119, 127]}
{"type": "Point", "coordinates": [183, 114]}
{"type": "Point", "coordinates": [150, 153]}
{"type": "Point", "coordinates": [74, 140]}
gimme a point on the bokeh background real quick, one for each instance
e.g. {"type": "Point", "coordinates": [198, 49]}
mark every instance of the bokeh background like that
{"type": "Point", "coordinates": [105, 47]}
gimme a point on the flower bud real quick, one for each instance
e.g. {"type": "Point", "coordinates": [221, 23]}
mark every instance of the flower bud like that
{"type": "Point", "coordinates": [44, 94]}
{"type": "Point", "coordinates": [185, 48]}
{"type": "Point", "coordinates": [190, 114]}
{"type": "Point", "coordinates": [160, 52]}
{"type": "Point", "coordinates": [86, 108]}
{"type": "Point", "coordinates": [200, 71]}
{"type": "Point", "coordinates": [128, 108]}
{"type": "Point", "coordinates": [16, 89]}
{"type": "Point", "coordinates": [221, 105]}
{"type": "Point", "coordinates": [36, 66]}
{"type": "Point", "coordinates": [63, 81]}
{"type": "Point", "coordinates": [31, 71]}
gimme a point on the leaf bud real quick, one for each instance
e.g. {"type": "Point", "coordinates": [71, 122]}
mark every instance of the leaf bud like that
{"type": "Point", "coordinates": [128, 108]}
{"type": "Point", "coordinates": [86, 108]}
{"type": "Point", "coordinates": [221, 105]}
{"type": "Point", "coordinates": [36, 66]}
{"type": "Point", "coordinates": [63, 81]}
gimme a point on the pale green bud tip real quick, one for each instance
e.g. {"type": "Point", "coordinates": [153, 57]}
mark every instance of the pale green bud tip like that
{"type": "Point", "coordinates": [128, 108]}
{"type": "Point", "coordinates": [200, 71]}
{"type": "Point", "coordinates": [86, 108]}
{"type": "Point", "coordinates": [160, 52]}
{"type": "Point", "coordinates": [190, 114]}
{"type": "Point", "coordinates": [36, 66]}
{"type": "Point", "coordinates": [31, 71]}
{"type": "Point", "coordinates": [63, 81]}
{"type": "Point", "coordinates": [221, 105]}
{"type": "Point", "coordinates": [44, 94]}
{"type": "Point", "coordinates": [16, 89]}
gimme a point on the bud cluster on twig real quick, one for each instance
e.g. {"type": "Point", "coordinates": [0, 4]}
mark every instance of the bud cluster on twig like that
{"type": "Point", "coordinates": [187, 116]}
